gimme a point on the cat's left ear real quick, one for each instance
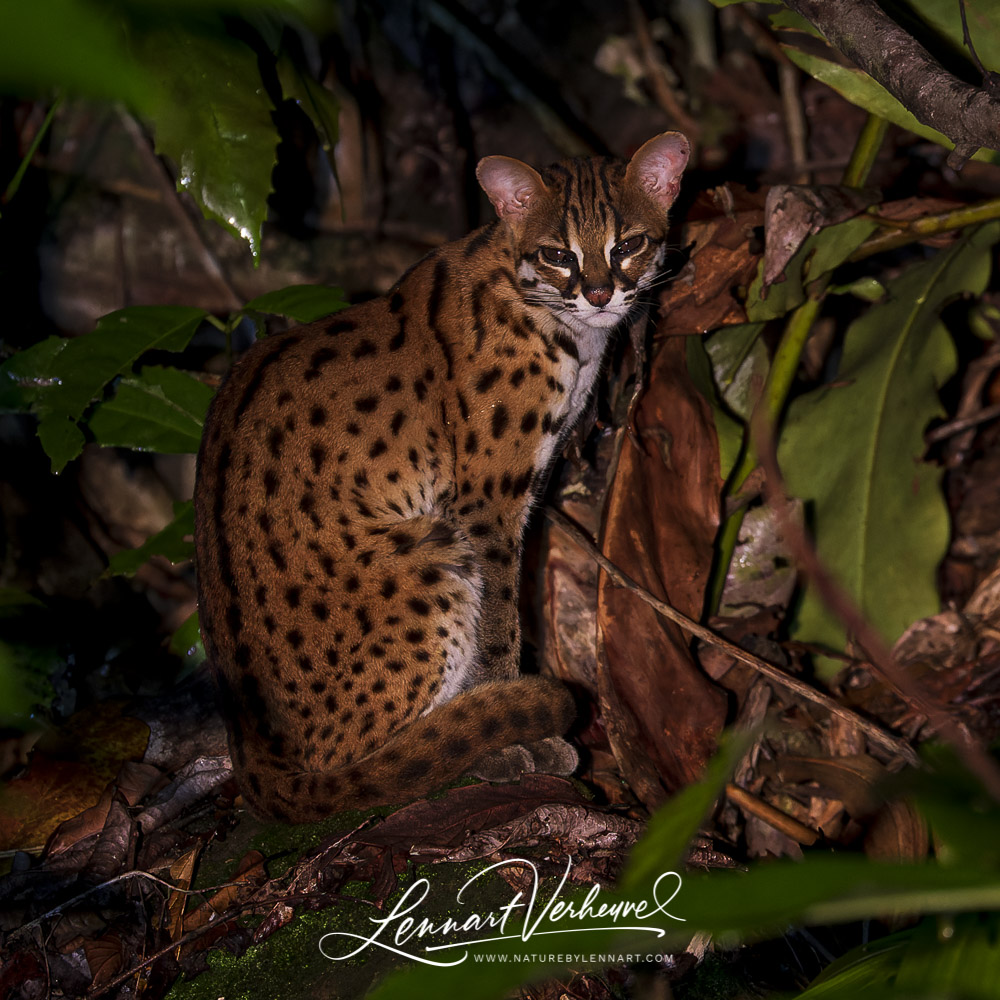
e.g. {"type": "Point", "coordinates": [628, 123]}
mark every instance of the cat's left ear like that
{"type": "Point", "coordinates": [657, 166]}
{"type": "Point", "coordinates": [512, 186]}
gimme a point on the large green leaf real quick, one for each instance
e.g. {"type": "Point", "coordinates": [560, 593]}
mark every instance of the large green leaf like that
{"type": "Point", "coordinates": [212, 116]}
{"type": "Point", "coordinates": [71, 45]}
{"type": "Point", "coordinates": [60, 377]}
{"type": "Point", "coordinates": [919, 963]}
{"type": "Point", "coordinates": [303, 303]}
{"type": "Point", "coordinates": [161, 409]}
{"type": "Point", "coordinates": [852, 449]}
{"type": "Point", "coordinates": [983, 17]}
{"type": "Point", "coordinates": [174, 542]}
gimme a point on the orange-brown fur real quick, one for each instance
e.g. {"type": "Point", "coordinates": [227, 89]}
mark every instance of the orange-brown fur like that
{"type": "Point", "coordinates": [363, 487]}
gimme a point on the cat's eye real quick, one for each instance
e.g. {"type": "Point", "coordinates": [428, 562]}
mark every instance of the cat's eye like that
{"type": "Point", "coordinates": [628, 247]}
{"type": "Point", "coordinates": [562, 258]}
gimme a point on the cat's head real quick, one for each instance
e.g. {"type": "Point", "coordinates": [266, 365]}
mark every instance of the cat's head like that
{"type": "Point", "coordinates": [589, 234]}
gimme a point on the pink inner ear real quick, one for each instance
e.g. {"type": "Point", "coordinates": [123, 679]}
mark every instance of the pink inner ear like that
{"type": "Point", "coordinates": [658, 164]}
{"type": "Point", "coordinates": [512, 186]}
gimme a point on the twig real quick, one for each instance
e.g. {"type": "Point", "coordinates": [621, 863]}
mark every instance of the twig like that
{"type": "Point", "coordinates": [890, 744]}
{"type": "Point", "coordinates": [231, 300]}
{"type": "Point", "coordinates": [781, 821]}
{"type": "Point", "coordinates": [899, 235]}
{"type": "Point", "coordinates": [962, 424]}
{"type": "Point", "coordinates": [862, 31]}
{"type": "Point", "coordinates": [662, 93]}
{"type": "Point", "coordinates": [868, 639]}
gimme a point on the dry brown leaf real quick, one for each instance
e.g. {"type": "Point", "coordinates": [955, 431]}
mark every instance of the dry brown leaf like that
{"type": "Point", "coordinates": [182, 872]}
{"type": "Point", "coordinates": [898, 834]}
{"type": "Point", "coordinates": [105, 956]}
{"type": "Point", "coordinates": [662, 714]}
{"type": "Point", "coordinates": [68, 774]}
{"type": "Point", "coordinates": [701, 297]}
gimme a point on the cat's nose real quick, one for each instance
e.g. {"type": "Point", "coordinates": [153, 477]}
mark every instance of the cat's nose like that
{"type": "Point", "coordinates": [599, 295]}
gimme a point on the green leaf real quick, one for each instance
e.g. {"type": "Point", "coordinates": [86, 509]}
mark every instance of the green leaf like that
{"type": "Point", "coordinates": [983, 17]}
{"type": "Point", "coordinates": [672, 828]}
{"type": "Point", "coordinates": [70, 45]}
{"type": "Point", "coordinates": [174, 542]}
{"type": "Point", "coordinates": [852, 449]}
{"type": "Point", "coordinates": [727, 430]}
{"type": "Point", "coordinates": [320, 104]}
{"type": "Point", "coordinates": [59, 378]}
{"type": "Point", "coordinates": [822, 252]}
{"type": "Point", "coordinates": [161, 409]}
{"type": "Point", "coordinates": [303, 303]}
{"type": "Point", "coordinates": [918, 963]}
{"type": "Point", "coordinates": [212, 116]}
{"type": "Point", "coordinates": [186, 643]}
{"type": "Point", "coordinates": [61, 438]}
{"type": "Point", "coordinates": [25, 378]}
{"type": "Point", "coordinates": [857, 86]}
{"type": "Point", "coordinates": [740, 365]}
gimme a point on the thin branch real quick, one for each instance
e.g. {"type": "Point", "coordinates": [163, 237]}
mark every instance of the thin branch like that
{"type": "Point", "coordinates": [889, 744]}
{"type": "Point", "coordinates": [209, 262]}
{"type": "Point", "coordinates": [962, 424]}
{"type": "Point", "coordinates": [969, 116]}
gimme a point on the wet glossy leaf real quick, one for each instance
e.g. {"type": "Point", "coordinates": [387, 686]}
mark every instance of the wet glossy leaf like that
{"type": "Point", "coordinates": [161, 409]}
{"type": "Point", "coordinates": [186, 643]}
{"type": "Point", "coordinates": [852, 449]}
{"type": "Point", "coordinates": [174, 542]}
{"type": "Point", "coordinates": [303, 303]}
{"type": "Point", "coordinates": [212, 117]}
{"type": "Point", "coordinates": [59, 378]}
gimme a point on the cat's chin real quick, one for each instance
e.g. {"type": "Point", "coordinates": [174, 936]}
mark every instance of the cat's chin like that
{"type": "Point", "coordinates": [602, 319]}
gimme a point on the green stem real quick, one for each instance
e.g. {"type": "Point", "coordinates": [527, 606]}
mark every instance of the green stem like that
{"type": "Point", "coordinates": [22, 169]}
{"type": "Point", "coordinates": [865, 151]}
{"type": "Point", "coordinates": [785, 364]}
{"type": "Point", "coordinates": [929, 225]}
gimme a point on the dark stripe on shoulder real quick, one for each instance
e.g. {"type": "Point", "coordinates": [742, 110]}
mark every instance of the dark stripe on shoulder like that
{"type": "Point", "coordinates": [250, 389]}
{"type": "Point", "coordinates": [480, 240]}
{"type": "Point", "coordinates": [434, 308]}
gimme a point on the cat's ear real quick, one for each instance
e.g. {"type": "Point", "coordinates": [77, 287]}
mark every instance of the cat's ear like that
{"type": "Point", "coordinates": [512, 186]}
{"type": "Point", "coordinates": [657, 166]}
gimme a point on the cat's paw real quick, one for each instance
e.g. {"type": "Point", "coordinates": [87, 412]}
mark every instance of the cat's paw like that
{"type": "Point", "coordinates": [549, 756]}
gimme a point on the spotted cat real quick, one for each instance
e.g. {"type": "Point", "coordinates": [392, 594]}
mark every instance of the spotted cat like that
{"type": "Point", "coordinates": [364, 482]}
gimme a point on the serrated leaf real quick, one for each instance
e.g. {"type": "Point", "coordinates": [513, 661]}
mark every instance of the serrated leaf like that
{"type": "Point", "coordinates": [59, 378]}
{"type": "Point", "coordinates": [161, 409]}
{"type": "Point", "coordinates": [174, 542]}
{"type": "Point", "coordinates": [212, 117]}
{"type": "Point", "coordinates": [822, 251]}
{"type": "Point", "coordinates": [853, 449]}
{"type": "Point", "coordinates": [303, 303]}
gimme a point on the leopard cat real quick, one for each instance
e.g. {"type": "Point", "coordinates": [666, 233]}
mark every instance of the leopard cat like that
{"type": "Point", "coordinates": [364, 482]}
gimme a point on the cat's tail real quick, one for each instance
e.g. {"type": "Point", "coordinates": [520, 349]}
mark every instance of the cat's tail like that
{"type": "Point", "coordinates": [431, 751]}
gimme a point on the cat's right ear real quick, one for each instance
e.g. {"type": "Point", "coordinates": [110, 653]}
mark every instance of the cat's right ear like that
{"type": "Point", "coordinates": [512, 186]}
